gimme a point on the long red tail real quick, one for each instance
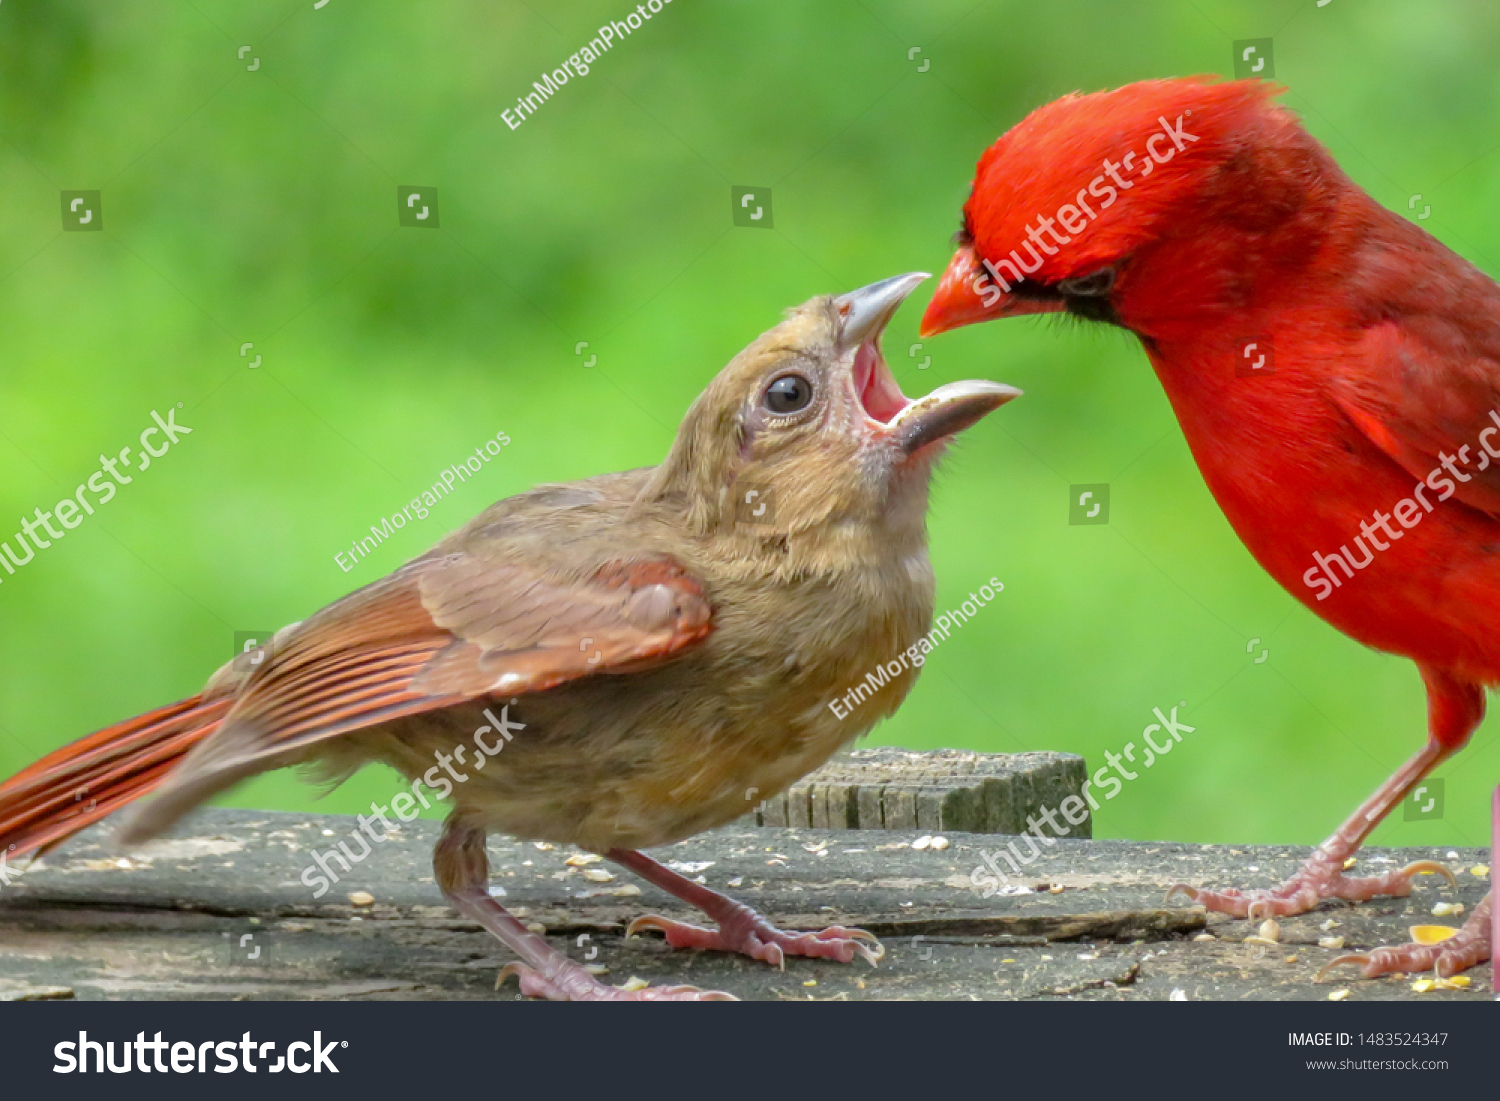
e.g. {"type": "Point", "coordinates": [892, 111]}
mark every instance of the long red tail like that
{"type": "Point", "coordinates": [71, 789]}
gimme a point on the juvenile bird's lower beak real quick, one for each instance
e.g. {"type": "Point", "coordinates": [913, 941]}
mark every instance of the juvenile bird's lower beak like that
{"type": "Point", "coordinates": [947, 411]}
{"type": "Point", "coordinates": [967, 294]}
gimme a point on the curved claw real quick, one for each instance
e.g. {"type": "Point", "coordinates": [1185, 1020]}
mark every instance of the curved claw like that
{"type": "Point", "coordinates": [650, 921]}
{"type": "Point", "coordinates": [1191, 892]}
{"type": "Point", "coordinates": [1430, 867]}
{"type": "Point", "coordinates": [1362, 960]}
{"type": "Point", "coordinates": [871, 955]}
{"type": "Point", "coordinates": [516, 970]}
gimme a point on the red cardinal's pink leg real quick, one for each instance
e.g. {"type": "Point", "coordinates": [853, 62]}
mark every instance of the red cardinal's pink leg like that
{"type": "Point", "coordinates": [740, 929]}
{"type": "Point", "coordinates": [463, 875]}
{"type": "Point", "coordinates": [1470, 945]}
{"type": "Point", "coordinates": [1455, 707]}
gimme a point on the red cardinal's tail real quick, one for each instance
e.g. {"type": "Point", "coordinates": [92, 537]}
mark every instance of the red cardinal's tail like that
{"type": "Point", "coordinates": [76, 786]}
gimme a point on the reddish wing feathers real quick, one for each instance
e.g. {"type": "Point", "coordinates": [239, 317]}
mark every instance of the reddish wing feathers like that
{"type": "Point", "coordinates": [444, 630]}
{"type": "Point", "coordinates": [1418, 403]}
{"type": "Point", "coordinates": [82, 783]}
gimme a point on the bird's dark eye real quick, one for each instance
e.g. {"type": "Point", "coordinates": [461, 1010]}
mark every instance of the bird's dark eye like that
{"type": "Point", "coordinates": [788, 394]}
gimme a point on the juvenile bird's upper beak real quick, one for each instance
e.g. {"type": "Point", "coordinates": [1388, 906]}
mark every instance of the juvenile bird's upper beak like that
{"type": "Point", "coordinates": [867, 311]}
{"type": "Point", "coordinates": [912, 425]}
{"type": "Point", "coordinates": [966, 294]}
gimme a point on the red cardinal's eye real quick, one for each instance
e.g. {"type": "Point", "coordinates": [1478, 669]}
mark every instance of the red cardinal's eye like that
{"type": "Point", "coordinates": [788, 394]}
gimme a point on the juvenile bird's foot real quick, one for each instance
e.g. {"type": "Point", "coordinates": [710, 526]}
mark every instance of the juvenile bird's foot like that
{"type": "Point", "coordinates": [746, 932]}
{"type": "Point", "coordinates": [1321, 877]}
{"type": "Point", "coordinates": [571, 983]}
{"type": "Point", "coordinates": [740, 929]}
{"type": "Point", "coordinates": [1469, 946]}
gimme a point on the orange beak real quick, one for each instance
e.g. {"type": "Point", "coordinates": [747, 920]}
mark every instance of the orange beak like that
{"type": "Point", "coordinates": [967, 294]}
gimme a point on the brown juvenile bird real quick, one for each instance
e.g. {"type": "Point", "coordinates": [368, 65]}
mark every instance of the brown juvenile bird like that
{"type": "Point", "coordinates": [661, 646]}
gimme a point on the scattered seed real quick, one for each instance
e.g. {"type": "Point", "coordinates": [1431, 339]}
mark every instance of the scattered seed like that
{"type": "Point", "coordinates": [635, 982]}
{"type": "Point", "coordinates": [362, 898]}
{"type": "Point", "coordinates": [1447, 909]}
{"type": "Point", "coordinates": [582, 860]}
{"type": "Point", "coordinates": [1205, 936]}
{"type": "Point", "coordinates": [597, 875]}
{"type": "Point", "coordinates": [922, 842]}
{"type": "Point", "coordinates": [544, 846]}
{"type": "Point", "coordinates": [811, 982]}
{"type": "Point", "coordinates": [1338, 995]}
{"type": "Point", "coordinates": [1290, 959]}
{"type": "Point", "coordinates": [736, 881]}
{"type": "Point", "coordinates": [1331, 943]}
{"type": "Point", "coordinates": [1178, 995]}
{"type": "Point", "coordinates": [1055, 888]}
{"type": "Point", "coordinates": [1271, 930]}
{"type": "Point", "coordinates": [1431, 934]}
{"type": "Point", "coordinates": [1479, 871]}
{"type": "Point", "coordinates": [939, 843]}
{"type": "Point", "coordinates": [1088, 955]}
{"type": "Point", "coordinates": [1329, 924]}
{"type": "Point", "coordinates": [536, 927]}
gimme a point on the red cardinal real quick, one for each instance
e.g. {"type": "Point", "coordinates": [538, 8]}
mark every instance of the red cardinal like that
{"type": "Point", "coordinates": [1335, 369]}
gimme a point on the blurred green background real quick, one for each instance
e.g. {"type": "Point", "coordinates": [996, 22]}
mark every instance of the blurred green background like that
{"type": "Point", "coordinates": [259, 206]}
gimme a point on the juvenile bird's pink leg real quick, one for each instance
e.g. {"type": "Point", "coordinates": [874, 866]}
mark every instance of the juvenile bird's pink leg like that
{"type": "Point", "coordinates": [1470, 945]}
{"type": "Point", "coordinates": [1454, 708]}
{"type": "Point", "coordinates": [462, 868]}
{"type": "Point", "coordinates": [740, 929]}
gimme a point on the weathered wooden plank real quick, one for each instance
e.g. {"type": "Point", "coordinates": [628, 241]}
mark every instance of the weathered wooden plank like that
{"type": "Point", "coordinates": [227, 913]}
{"type": "Point", "coordinates": [945, 789]}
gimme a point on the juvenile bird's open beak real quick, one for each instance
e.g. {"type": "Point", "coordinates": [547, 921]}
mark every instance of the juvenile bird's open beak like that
{"type": "Point", "coordinates": [889, 413]}
{"type": "Point", "coordinates": [966, 294]}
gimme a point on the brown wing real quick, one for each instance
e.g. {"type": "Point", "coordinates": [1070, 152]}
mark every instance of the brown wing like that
{"type": "Point", "coordinates": [441, 631]}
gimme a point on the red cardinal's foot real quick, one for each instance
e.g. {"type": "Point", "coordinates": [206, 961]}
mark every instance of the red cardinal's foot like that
{"type": "Point", "coordinates": [746, 932]}
{"type": "Point", "coordinates": [1321, 877]}
{"type": "Point", "coordinates": [1469, 946]}
{"type": "Point", "coordinates": [573, 984]}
